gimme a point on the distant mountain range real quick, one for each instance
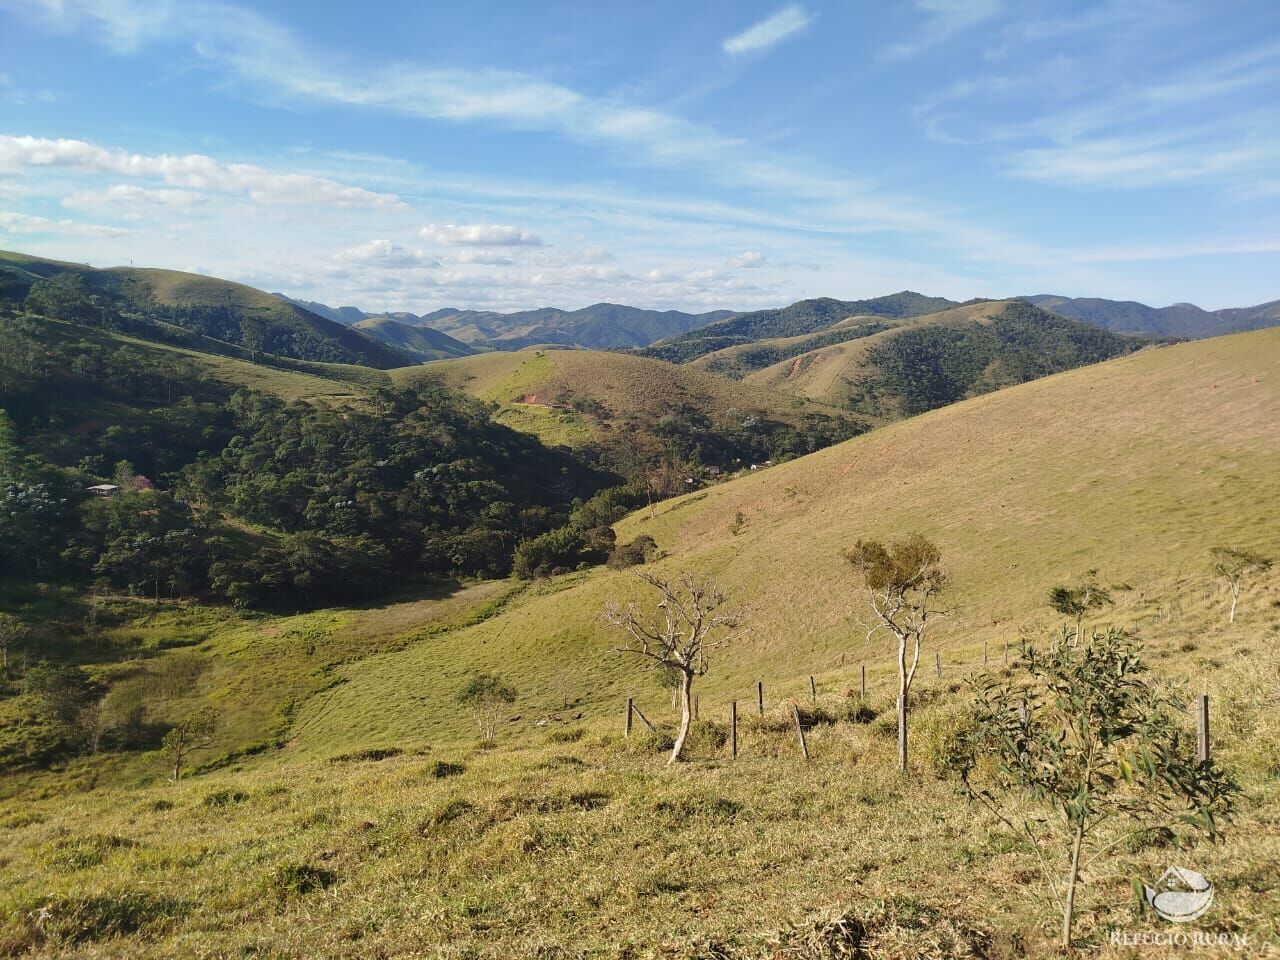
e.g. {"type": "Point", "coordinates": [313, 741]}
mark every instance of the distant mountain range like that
{"type": "Point", "coordinates": [1184, 320]}
{"type": "Point", "coordinates": [601, 326]}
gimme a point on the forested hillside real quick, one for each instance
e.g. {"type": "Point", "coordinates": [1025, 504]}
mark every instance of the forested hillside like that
{"type": "Point", "coordinates": [229, 312]}
{"type": "Point", "coordinates": [803, 317]}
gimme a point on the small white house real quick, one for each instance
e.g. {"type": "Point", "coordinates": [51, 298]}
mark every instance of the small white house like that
{"type": "Point", "coordinates": [104, 490]}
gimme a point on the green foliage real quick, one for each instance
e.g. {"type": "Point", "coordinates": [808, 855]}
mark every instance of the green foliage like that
{"type": "Point", "coordinates": [640, 550]}
{"type": "Point", "coordinates": [1096, 742]}
{"type": "Point", "coordinates": [903, 568]}
{"type": "Point", "coordinates": [926, 367]}
{"type": "Point", "coordinates": [290, 880]}
{"type": "Point", "coordinates": [1076, 602]}
{"type": "Point", "coordinates": [137, 300]}
{"type": "Point", "coordinates": [486, 694]}
{"type": "Point", "coordinates": [803, 317]}
{"type": "Point", "coordinates": [195, 731]}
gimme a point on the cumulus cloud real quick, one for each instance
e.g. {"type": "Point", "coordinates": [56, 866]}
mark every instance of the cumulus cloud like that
{"type": "Point", "coordinates": [133, 197]}
{"type": "Point", "coordinates": [479, 234]}
{"type": "Point", "coordinates": [748, 258]}
{"type": "Point", "coordinates": [190, 171]}
{"type": "Point", "coordinates": [15, 223]}
{"type": "Point", "coordinates": [769, 31]}
{"type": "Point", "coordinates": [384, 253]}
{"type": "Point", "coordinates": [486, 257]}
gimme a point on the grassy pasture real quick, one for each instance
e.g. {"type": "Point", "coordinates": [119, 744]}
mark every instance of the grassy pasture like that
{"type": "Point", "coordinates": [379, 829]}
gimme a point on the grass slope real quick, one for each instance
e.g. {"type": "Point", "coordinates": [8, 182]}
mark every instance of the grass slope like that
{"type": "Point", "coordinates": [802, 317]}
{"type": "Point", "coordinates": [577, 396]}
{"type": "Point", "coordinates": [566, 841]}
{"type": "Point", "coordinates": [421, 343]}
{"type": "Point", "coordinates": [1008, 341]}
{"type": "Point", "coordinates": [1175, 447]}
{"type": "Point", "coordinates": [211, 306]}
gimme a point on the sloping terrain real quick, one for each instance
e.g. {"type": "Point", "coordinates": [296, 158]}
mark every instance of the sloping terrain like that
{"type": "Point", "coordinates": [891, 369]}
{"type": "Point", "coordinates": [379, 829]}
{"type": "Point", "coordinates": [1135, 467]}
{"type": "Point", "coordinates": [805, 316]}
{"type": "Point", "coordinates": [421, 343]}
{"type": "Point", "coordinates": [579, 397]}
{"type": "Point", "coordinates": [230, 312]}
{"type": "Point", "coordinates": [1179, 320]}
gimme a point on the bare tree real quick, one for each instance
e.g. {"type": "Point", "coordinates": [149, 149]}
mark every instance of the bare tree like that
{"type": "Point", "coordinates": [678, 635]}
{"type": "Point", "coordinates": [193, 732]}
{"type": "Point", "coordinates": [903, 581]}
{"type": "Point", "coordinates": [12, 632]}
{"type": "Point", "coordinates": [1234, 567]}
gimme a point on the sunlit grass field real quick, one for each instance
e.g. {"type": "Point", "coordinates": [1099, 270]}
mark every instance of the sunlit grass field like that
{"type": "Point", "coordinates": [346, 809]}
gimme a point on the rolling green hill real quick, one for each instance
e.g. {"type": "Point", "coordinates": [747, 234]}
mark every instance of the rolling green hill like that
{"type": "Point", "coordinates": [587, 398]}
{"type": "Point", "coordinates": [421, 343]}
{"type": "Point", "coordinates": [886, 370]}
{"type": "Point", "coordinates": [230, 312]}
{"type": "Point", "coordinates": [1164, 454]}
{"type": "Point", "coordinates": [805, 316]}
{"type": "Point", "coordinates": [1178, 320]}
{"type": "Point", "coordinates": [345, 787]}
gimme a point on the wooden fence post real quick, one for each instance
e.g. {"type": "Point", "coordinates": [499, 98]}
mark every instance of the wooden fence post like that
{"type": "Point", "coordinates": [937, 662]}
{"type": "Point", "coordinates": [1022, 710]}
{"type": "Point", "coordinates": [631, 705]}
{"type": "Point", "coordinates": [804, 747]}
{"type": "Point", "coordinates": [984, 653]}
{"type": "Point", "coordinates": [733, 729]}
{"type": "Point", "coordinates": [697, 713]}
{"type": "Point", "coordinates": [1006, 653]}
{"type": "Point", "coordinates": [813, 689]}
{"type": "Point", "coordinates": [760, 696]}
{"type": "Point", "coordinates": [1203, 749]}
{"type": "Point", "coordinates": [864, 681]}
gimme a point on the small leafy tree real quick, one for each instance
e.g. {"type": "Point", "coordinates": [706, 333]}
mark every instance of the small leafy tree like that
{"type": "Point", "coordinates": [1086, 742]}
{"type": "Point", "coordinates": [12, 632]}
{"type": "Point", "coordinates": [677, 636]}
{"type": "Point", "coordinates": [193, 732]}
{"type": "Point", "coordinates": [903, 581]}
{"type": "Point", "coordinates": [1234, 568]}
{"type": "Point", "coordinates": [487, 695]}
{"type": "Point", "coordinates": [1076, 602]}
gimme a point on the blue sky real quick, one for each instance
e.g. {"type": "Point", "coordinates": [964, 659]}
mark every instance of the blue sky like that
{"type": "Point", "coordinates": [411, 155]}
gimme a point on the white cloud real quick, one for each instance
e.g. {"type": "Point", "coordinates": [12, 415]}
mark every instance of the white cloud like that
{"type": "Point", "coordinates": [192, 171]}
{"type": "Point", "coordinates": [484, 257]}
{"type": "Point", "coordinates": [1129, 162]}
{"type": "Point", "coordinates": [769, 31]}
{"type": "Point", "coordinates": [133, 197]}
{"type": "Point", "coordinates": [479, 234]}
{"type": "Point", "coordinates": [22, 223]}
{"type": "Point", "coordinates": [748, 258]}
{"type": "Point", "coordinates": [384, 253]}
{"type": "Point", "coordinates": [944, 19]}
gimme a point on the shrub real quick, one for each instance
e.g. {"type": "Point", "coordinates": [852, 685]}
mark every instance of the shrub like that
{"type": "Point", "coordinates": [371, 754]}
{"type": "Point", "coordinates": [440, 769]}
{"type": "Point", "coordinates": [640, 550]}
{"type": "Point", "coordinates": [225, 798]}
{"type": "Point", "coordinates": [298, 879]}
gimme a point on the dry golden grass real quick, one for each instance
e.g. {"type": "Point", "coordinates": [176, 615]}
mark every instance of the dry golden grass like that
{"type": "Point", "coordinates": [566, 842]}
